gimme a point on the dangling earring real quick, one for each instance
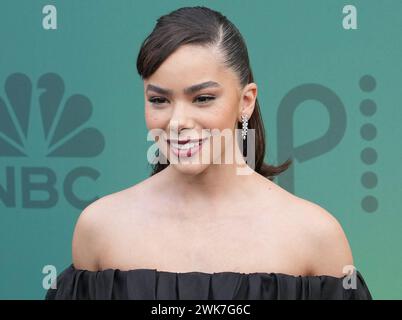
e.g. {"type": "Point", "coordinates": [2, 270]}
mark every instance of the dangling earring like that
{"type": "Point", "coordinates": [244, 120]}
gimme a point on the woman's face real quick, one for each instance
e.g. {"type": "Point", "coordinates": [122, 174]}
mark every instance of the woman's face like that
{"type": "Point", "coordinates": [182, 111]}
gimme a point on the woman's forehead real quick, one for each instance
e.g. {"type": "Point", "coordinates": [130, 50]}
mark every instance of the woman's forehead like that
{"type": "Point", "coordinates": [190, 65]}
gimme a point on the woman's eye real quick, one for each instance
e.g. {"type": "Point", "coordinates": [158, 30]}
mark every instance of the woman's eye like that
{"type": "Point", "coordinates": [201, 99]}
{"type": "Point", "coordinates": [204, 99]}
{"type": "Point", "coordinates": [157, 100]}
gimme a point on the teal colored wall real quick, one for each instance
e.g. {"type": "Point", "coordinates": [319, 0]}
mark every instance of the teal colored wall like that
{"type": "Point", "coordinates": [313, 76]}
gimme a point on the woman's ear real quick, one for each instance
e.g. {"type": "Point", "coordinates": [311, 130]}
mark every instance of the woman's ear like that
{"type": "Point", "coordinates": [248, 97]}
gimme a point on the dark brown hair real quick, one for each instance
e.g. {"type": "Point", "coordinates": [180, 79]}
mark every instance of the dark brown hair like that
{"type": "Point", "coordinates": [205, 27]}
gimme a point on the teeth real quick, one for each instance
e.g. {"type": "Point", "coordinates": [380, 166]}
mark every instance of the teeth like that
{"type": "Point", "coordinates": [184, 146]}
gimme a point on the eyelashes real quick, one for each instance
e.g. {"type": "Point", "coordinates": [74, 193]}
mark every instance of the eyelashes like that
{"type": "Point", "coordinates": [202, 99]}
{"type": "Point", "coordinates": [209, 98]}
{"type": "Point", "coordinates": [156, 100]}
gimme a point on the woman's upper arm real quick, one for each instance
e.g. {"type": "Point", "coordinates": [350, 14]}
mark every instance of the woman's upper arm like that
{"type": "Point", "coordinates": [330, 250]}
{"type": "Point", "coordinates": [85, 243]}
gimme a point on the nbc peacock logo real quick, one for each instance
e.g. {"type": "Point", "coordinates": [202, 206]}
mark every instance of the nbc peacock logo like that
{"type": "Point", "coordinates": [44, 124]}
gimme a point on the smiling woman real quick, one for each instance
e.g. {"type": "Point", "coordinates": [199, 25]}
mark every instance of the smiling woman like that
{"type": "Point", "coordinates": [181, 50]}
{"type": "Point", "coordinates": [200, 230]}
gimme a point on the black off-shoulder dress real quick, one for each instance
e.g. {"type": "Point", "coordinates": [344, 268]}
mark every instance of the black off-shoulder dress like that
{"type": "Point", "coordinates": [152, 284]}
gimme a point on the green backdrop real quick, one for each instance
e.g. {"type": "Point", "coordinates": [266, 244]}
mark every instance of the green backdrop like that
{"type": "Point", "coordinates": [72, 124]}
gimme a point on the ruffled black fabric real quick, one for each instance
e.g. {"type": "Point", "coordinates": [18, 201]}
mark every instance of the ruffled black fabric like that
{"type": "Point", "coordinates": [151, 284]}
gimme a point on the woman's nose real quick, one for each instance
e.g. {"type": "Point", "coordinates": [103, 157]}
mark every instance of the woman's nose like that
{"type": "Point", "coordinates": [180, 118]}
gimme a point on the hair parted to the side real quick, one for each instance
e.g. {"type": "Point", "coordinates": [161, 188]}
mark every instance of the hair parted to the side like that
{"type": "Point", "coordinates": [203, 26]}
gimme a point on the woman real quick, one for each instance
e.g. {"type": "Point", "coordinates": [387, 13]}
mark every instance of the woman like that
{"type": "Point", "coordinates": [198, 228]}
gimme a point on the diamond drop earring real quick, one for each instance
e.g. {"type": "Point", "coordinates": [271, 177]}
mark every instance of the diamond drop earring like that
{"type": "Point", "coordinates": [244, 120]}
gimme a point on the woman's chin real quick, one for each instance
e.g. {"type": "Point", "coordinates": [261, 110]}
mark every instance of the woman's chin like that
{"type": "Point", "coordinates": [190, 168]}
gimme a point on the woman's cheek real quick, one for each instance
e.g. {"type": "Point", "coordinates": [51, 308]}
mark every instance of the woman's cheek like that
{"type": "Point", "coordinates": [152, 120]}
{"type": "Point", "coordinates": [223, 120]}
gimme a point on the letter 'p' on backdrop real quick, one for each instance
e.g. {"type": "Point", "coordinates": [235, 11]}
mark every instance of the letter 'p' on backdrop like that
{"type": "Point", "coordinates": [72, 127]}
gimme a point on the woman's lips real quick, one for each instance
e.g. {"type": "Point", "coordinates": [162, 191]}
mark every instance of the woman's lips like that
{"type": "Point", "coordinates": [188, 149]}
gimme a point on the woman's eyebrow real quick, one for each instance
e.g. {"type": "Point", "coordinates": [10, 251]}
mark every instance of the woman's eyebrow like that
{"type": "Point", "coordinates": [200, 86]}
{"type": "Point", "coordinates": [189, 90]}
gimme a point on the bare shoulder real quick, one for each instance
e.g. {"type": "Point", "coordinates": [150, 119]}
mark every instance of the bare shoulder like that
{"type": "Point", "coordinates": [312, 235]}
{"type": "Point", "coordinates": [97, 223]}
{"type": "Point", "coordinates": [326, 244]}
